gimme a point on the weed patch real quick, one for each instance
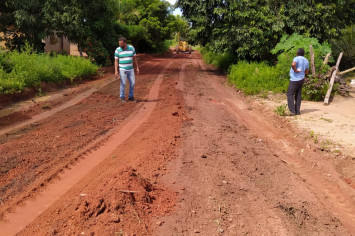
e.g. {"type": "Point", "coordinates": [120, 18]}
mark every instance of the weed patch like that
{"type": "Point", "coordinates": [28, 69]}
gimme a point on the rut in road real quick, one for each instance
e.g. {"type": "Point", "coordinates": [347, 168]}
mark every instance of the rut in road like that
{"type": "Point", "coordinates": [231, 169]}
{"type": "Point", "coordinates": [233, 180]}
{"type": "Point", "coordinates": [101, 203]}
{"type": "Point", "coordinates": [70, 103]}
{"type": "Point", "coordinates": [24, 215]}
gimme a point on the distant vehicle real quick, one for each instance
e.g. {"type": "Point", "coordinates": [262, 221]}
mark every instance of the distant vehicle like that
{"type": "Point", "coordinates": [183, 46]}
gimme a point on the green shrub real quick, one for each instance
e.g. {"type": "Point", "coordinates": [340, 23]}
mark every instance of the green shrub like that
{"type": "Point", "coordinates": [281, 110]}
{"type": "Point", "coordinates": [314, 89]}
{"type": "Point", "coordinates": [345, 43]}
{"type": "Point", "coordinates": [286, 50]}
{"type": "Point", "coordinates": [221, 61]}
{"type": "Point", "coordinates": [255, 77]}
{"type": "Point", "coordinates": [97, 52]}
{"type": "Point", "coordinates": [8, 84]}
{"type": "Point", "coordinates": [27, 69]}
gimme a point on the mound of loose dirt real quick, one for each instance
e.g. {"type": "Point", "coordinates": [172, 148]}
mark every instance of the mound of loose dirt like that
{"type": "Point", "coordinates": [118, 205]}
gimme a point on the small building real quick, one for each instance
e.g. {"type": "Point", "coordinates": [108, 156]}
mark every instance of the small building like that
{"type": "Point", "coordinates": [53, 43]}
{"type": "Point", "coordinates": [61, 44]}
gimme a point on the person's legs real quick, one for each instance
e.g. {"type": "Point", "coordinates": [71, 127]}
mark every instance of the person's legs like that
{"type": "Point", "coordinates": [123, 76]}
{"type": "Point", "coordinates": [298, 96]}
{"type": "Point", "coordinates": [291, 96]}
{"type": "Point", "coordinates": [132, 82]}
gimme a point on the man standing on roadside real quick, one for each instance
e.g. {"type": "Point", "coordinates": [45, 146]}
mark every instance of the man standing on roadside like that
{"type": "Point", "coordinates": [124, 56]}
{"type": "Point", "coordinates": [299, 70]}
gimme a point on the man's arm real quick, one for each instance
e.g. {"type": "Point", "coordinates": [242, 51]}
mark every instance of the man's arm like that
{"type": "Point", "coordinates": [116, 67]}
{"type": "Point", "coordinates": [294, 64]}
{"type": "Point", "coordinates": [136, 63]}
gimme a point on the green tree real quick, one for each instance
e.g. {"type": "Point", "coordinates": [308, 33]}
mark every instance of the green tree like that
{"type": "Point", "coordinates": [95, 25]}
{"type": "Point", "coordinates": [345, 43]}
{"type": "Point", "coordinates": [81, 21]}
{"type": "Point", "coordinates": [151, 17]}
{"type": "Point", "coordinates": [251, 28]}
{"type": "Point", "coordinates": [26, 21]}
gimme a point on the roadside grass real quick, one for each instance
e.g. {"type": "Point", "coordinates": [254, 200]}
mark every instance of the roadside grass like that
{"type": "Point", "coordinates": [281, 110]}
{"type": "Point", "coordinates": [19, 70]}
{"type": "Point", "coordinates": [221, 61]}
{"type": "Point", "coordinates": [257, 77]}
{"type": "Point", "coordinates": [313, 136]}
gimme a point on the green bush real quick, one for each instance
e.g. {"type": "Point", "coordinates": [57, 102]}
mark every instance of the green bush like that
{"type": "Point", "coordinates": [97, 52]}
{"type": "Point", "coordinates": [27, 69]}
{"type": "Point", "coordinates": [255, 77]}
{"type": "Point", "coordinates": [345, 43]}
{"type": "Point", "coordinates": [314, 89]}
{"type": "Point", "coordinates": [281, 110]}
{"type": "Point", "coordinates": [221, 61]}
{"type": "Point", "coordinates": [258, 77]}
{"type": "Point", "coordinates": [286, 50]}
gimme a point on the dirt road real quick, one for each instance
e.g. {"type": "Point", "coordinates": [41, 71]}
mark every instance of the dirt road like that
{"type": "Point", "coordinates": [192, 157]}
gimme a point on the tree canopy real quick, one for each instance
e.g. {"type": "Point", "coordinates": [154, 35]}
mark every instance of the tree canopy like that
{"type": "Point", "coordinates": [251, 28]}
{"type": "Point", "coordinates": [94, 24]}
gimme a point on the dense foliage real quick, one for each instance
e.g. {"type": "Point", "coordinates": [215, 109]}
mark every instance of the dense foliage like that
{"type": "Point", "coordinates": [286, 50]}
{"type": "Point", "coordinates": [258, 77]}
{"type": "Point", "coordinates": [152, 19]}
{"type": "Point", "coordinates": [221, 61]}
{"type": "Point", "coordinates": [251, 28]}
{"type": "Point", "coordinates": [345, 43]}
{"type": "Point", "coordinates": [28, 69]}
{"type": "Point", "coordinates": [95, 25]}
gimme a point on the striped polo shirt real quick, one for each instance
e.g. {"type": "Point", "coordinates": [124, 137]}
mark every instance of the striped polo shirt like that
{"type": "Point", "coordinates": [125, 57]}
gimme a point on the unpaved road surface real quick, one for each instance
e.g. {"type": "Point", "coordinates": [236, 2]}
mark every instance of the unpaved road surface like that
{"type": "Point", "coordinates": [192, 157]}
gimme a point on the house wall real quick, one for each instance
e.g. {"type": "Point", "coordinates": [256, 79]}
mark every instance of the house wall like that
{"type": "Point", "coordinates": [57, 44]}
{"type": "Point", "coordinates": [2, 43]}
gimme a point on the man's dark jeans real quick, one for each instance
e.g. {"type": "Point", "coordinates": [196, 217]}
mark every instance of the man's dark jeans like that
{"type": "Point", "coordinates": [294, 92]}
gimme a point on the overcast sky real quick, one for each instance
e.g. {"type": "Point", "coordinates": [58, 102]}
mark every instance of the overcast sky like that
{"type": "Point", "coordinates": [177, 11]}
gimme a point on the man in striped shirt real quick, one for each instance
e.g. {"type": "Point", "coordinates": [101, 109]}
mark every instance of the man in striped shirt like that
{"type": "Point", "coordinates": [124, 56]}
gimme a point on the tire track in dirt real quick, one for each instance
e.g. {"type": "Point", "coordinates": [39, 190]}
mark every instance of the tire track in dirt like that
{"type": "Point", "coordinates": [230, 181]}
{"type": "Point", "coordinates": [22, 216]}
{"type": "Point", "coordinates": [104, 210]}
{"type": "Point", "coordinates": [70, 103]}
{"type": "Point", "coordinates": [207, 190]}
{"type": "Point", "coordinates": [336, 195]}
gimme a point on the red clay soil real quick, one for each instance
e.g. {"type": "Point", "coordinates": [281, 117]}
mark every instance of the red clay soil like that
{"type": "Point", "coordinates": [107, 207]}
{"type": "Point", "coordinates": [40, 107]}
{"type": "Point", "coordinates": [71, 90]}
{"type": "Point", "coordinates": [205, 161]}
{"type": "Point", "coordinates": [31, 157]}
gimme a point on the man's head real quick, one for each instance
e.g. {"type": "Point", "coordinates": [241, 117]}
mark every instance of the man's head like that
{"type": "Point", "coordinates": [300, 52]}
{"type": "Point", "coordinates": [122, 42]}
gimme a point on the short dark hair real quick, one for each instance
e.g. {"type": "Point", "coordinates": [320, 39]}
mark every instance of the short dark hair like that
{"type": "Point", "coordinates": [300, 52]}
{"type": "Point", "coordinates": [123, 39]}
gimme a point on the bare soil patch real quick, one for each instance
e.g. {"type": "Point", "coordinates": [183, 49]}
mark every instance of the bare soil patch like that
{"type": "Point", "coordinates": [206, 160]}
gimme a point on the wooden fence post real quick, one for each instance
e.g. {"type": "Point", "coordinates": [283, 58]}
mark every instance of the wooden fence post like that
{"type": "Point", "coordinates": [312, 60]}
{"type": "Point", "coordinates": [327, 96]}
{"type": "Point", "coordinates": [326, 59]}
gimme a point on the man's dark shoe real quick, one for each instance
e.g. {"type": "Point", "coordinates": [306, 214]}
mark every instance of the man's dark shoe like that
{"type": "Point", "coordinates": [132, 99]}
{"type": "Point", "coordinates": [123, 100]}
{"type": "Point", "coordinates": [289, 113]}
